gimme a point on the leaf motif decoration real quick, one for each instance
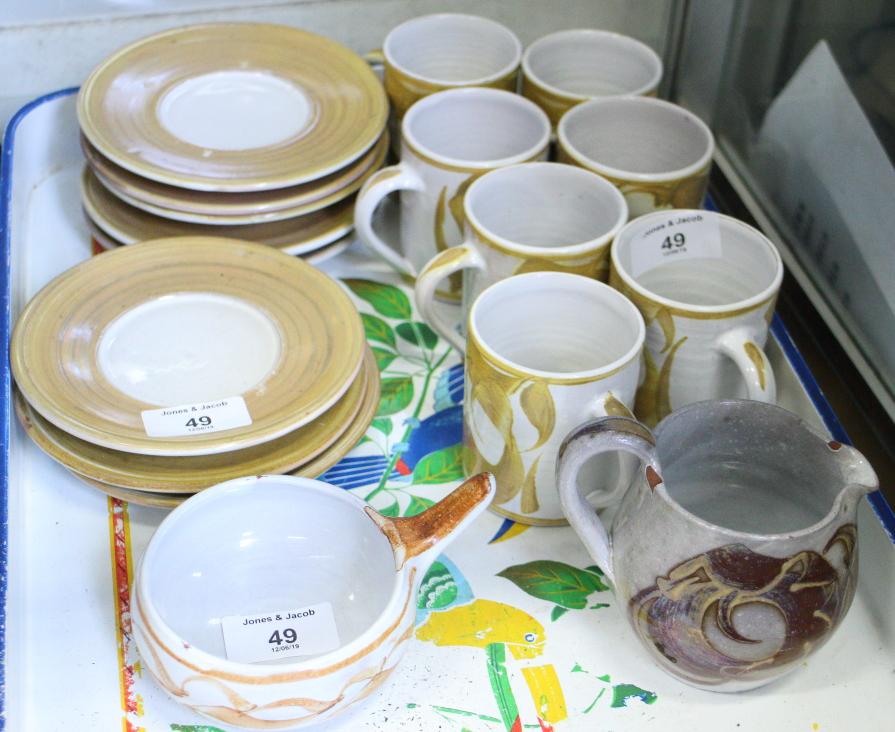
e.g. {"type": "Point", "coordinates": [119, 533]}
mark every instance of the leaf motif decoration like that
{"type": "Point", "coordinates": [666, 322]}
{"type": "Point", "coordinates": [383, 357]}
{"type": "Point", "coordinates": [392, 511]}
{"type": "Point", "coordinates": [529, 501]}
{"type": "Point", "coordinates": [555, 582]}
{"type": "Point", "coordinates": [441, 466]}
{"type": "Point", "coordinates": [456, 202]}
{"type": "Point", "coordinates": [418, 505]}
{"type": "Point", "coordinates": [537, 404]}
{"type": "Point", "coordinates": [438, 232]}
{"type": "Point", "coordinates": [496, 405]}
{"type": "Point", "coordinates": [387, 300]}
{"type": "Point", "coordinates": [383, 424]}
{"type": "Point", "coordinates": [417, 333]}
{"type": "Point", "coordinates": [396, 394]}
{"type": "Point", "coordinates": [645, 399]}
{"type": "Point", "coordinates": [615, 408]}
{"type": "Point", "coordinates": [663, 398]}
{"type": "Point", "coordinates": [376, 329]}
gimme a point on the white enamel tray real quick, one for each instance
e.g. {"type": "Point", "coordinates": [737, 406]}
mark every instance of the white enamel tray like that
{"type": "Point", "coordinates": [68, 551]}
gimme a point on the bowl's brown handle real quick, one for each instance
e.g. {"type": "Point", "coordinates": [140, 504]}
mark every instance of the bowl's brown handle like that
{"type": "Point", "coordinates": [412, 535]}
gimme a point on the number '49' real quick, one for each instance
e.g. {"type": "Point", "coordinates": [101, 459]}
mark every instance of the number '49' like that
{"type": "Point", "coordinates": [201, 422]}
{"type": "Point", "coordinates": [671, 242]}
{"type": "Point", "coordinates": [289, 636]}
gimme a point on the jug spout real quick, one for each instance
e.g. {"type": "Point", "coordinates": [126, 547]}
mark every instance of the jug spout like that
{"type": "Point", "coordinates": [859, 477]}
{"type": "Point", "coordinates": [413, 536]}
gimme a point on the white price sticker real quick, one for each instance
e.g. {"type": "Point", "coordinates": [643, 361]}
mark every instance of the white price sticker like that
{"type": "Point", "coordinates": [269, 636]}
{"type": "Point", "coordinates": [197, 419]}
{"type": "Point", "coordinates": [680, 236]}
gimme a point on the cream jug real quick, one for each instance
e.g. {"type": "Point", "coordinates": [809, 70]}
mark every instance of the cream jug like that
{"type": "Point", "coordinates": [734, 550]}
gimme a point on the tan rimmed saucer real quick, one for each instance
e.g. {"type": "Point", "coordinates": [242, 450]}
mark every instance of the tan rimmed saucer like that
{"type": "Point", "coordinates": [130, 225]}
{"type": "Point", "coordinates": [233, 107]}
{"type": "Point", "coordinates": [314, 256]}
{"type": "Point", "coordinates": [323, 462]}
{"type": "Point", "coordinates": [182, 321]}
{"type": "Point", "coordinates": [214, 207]}
{"type": "Point", "coordinates": [190, 473]}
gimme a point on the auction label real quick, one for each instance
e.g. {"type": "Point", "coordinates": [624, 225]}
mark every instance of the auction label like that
{"type": "Point", "coordinates": [686, 236]}
{"type": "Point", "coordinates": [268, 636]}
{"type": "Point", "coordinates": [195, 419]}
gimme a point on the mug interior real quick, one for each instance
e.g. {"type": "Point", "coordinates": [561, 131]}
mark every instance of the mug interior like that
{"type": "Point", "coordinates": [477, 126]}
{"type": "Point", "coordinates": [637, 135]}
{"type": "Point", "coordinates": [452, 49]}
{"type": "Point", "coordinates": [590, 63]}
{"type": "Point", "coordinates": [747, 268]}
{"type": "Point", "coordinates": [545, 205]}
{"type": "Point", "coordinates": [556, 323]}
{"type": "Point", "coordinates": [748, 466]}
{"type": "Point", "coordinates": [267, 547]}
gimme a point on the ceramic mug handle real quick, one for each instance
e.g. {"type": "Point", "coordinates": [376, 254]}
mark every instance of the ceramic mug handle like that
{"type": "Point", "coordinates": [394, 178]}
{"type": "Point", "coordinates": [440, 266]}
{"type": "Point", "coordinates": [739, 346]}
{"type": "Point", "coordinates": [606, 434]}
{"type": "Point", "coordinates": [608, 405]}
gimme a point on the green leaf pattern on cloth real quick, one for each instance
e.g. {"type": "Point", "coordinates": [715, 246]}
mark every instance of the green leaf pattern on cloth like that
{"type": "Point", "coordinates": [546, 579]}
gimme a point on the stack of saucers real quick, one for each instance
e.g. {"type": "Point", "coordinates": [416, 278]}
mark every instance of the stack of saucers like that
{"type": "Point", "coordinates": [163, 368]}
{"type": "Point", "coordinates": [245, 130]}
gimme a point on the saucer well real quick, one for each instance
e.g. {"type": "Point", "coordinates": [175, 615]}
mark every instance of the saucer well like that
{"type": "Point", "coordinates": [158, 330]}
{"type": "Point", "coordinates": [233, 107]}
{"type": "Point", "coordinates": [216, 207]}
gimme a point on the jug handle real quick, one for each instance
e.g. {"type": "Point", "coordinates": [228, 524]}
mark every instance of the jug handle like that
{"type": "Point", "coordinates": [411, 536]}
{"type": "Point", "coordinates": [604, 434]}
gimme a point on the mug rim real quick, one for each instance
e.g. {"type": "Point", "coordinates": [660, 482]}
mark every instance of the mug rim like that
{"type": "Point", "coordinates": [827, 518]}
{"type": "Point", "coordinates": [165, 634]}
{"type": "Point", "coordinates": [457, 164]}
{"type": "Point", "coordinates": [567, 251]}
{"type": "Point", "coordinates": [682, 308]}
{"type": "Point", "coordinates": [506, 70]}
{"type": "Point", "coordinates": [556, 377]}
{"type": "Point", "coordinates": [703, 162]}
{"type": "Point", "coordinates": [632, 42]}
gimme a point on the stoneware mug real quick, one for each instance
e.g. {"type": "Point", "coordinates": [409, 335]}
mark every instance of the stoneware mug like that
{"type": "Point", "coordinates": [706, 285]}
{"type": "Point", "coordinates": [563, 69]}
{"type": "Point", "coordinates": [446, 51]}
{"type": "Point", "coordinates": [657, 153]}
{"type": "Point", "coordinates": [283, 563]}
{"type": "Point", "coordinates": [546, 351]}
{"type": "Point", "coordinates": [526, 218]}
{"type": "Point", "coordinates": [448, 139]}
{"type": "Point", "coordinates": [734, 550]}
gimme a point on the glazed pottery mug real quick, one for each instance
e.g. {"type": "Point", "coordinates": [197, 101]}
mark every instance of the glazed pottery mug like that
{"type": "Point", "coordinates": [734, 550]}
{"type": "Point", "coordinates": [446, 51]}
{"type": "Point", "coordinates": [566, 68]}
{"type": "Point", "coordinates": [657, 153]}
{"type": "Point", "coordinates": [274, 602]}
{"type": "Point", "coordinates": [706, 285]}
{"type": "Point", "coordinates": [545, 352]}
{"type": "Point", "coordinates": [526, 218]}
{"type": "Point", "coordinates": [448, 139]}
